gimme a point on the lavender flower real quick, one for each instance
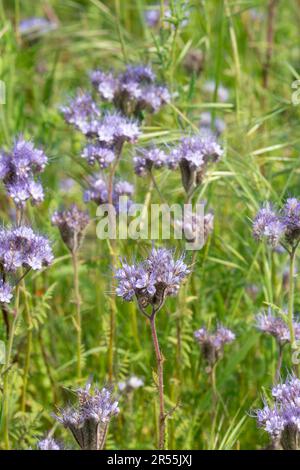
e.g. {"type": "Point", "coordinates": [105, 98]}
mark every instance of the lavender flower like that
{"type": "Point", "coordinates": [291, 220]}
{"type": "Point", "coordinates": [193, 155]}
{"type": "Point", "coordinates": [152, 280]}
{"type": "Point", "coordinates": [212, 344]}
{"type": "Point", "coordinates": [97, 152]}
{"type": "Point", "coordinates": [147, 159]}
{"type": "Point", "coordinates": [282, 420]}
{"type": "Point", "coordinates": [276, 327]}
{"type": "Point", "coordinates": [82, 112]}
{"type": "Point", "coordinates": [48, 444]}
{"type": "Point", "coordinates": [35, 27]}
{"type": "Point", "coordinates": [72, 224]}
{"type": "Point", "coordinates": [5, 292]}
{"type": "Point", "coordinates": [17, 171]}
{"type": "Point", "coordinates": [89, 420]}
{"type": "Point", "coordinates": [268, 225]}
{"type": "Point", "coordinates": [21, 247]}
{"type": "Point", "coordinates": [132, 91]}
{"type": "Point", "coordinates": [98, 192]}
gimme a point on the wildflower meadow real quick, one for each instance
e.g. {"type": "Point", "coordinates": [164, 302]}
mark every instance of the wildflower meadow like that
{"type": "Point", "coordinates": [150, 225]}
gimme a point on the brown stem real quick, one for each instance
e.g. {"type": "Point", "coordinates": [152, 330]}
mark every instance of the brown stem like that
{"type": "Point", "coordinates": [160, 373]}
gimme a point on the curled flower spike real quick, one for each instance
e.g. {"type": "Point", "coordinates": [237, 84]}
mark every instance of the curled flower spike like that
{"type": "Point", "coordinates": [88, 421]}
{"type": "Point", "coordinates": [147, 159]}
{"type": "Point", "coordinates": [72, 224]}
{"type": "Point", "coordinates": [18, 169]}
{"type": "Point", "coordinates": [276, 327]}
{"type": "Point", "coordinates": [281, 420]}
{"type": "Point", "coordinates": [153, 280]}
{"type": "Point", "coordinates": [212, 344]}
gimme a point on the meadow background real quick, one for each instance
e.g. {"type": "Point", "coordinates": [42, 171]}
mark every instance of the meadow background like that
{"type": "Point", "coordinates": [233, 279]}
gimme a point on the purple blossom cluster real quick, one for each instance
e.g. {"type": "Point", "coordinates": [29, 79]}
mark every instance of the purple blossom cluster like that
{"type": "Point", "coordinates": [178, 9]}
{"type": "Point", "coordinates": [81, 112]}
{"type": "Point", "coordinates": [35, 26]}
{"type": "Point", "coordinates": [151, 281]}
{"type": "Point", "coordinates": [97, 192]}
{"type": "Point", "coordinates": [192, 156]}
{"type": "Point", "coordinates": [131, 91]}
{"type": "Point", "coordinates": [277, 327]}
{"type": "Point", "coordinates": [89, 419]}
{"type": "Point", "coordinates": [212, 344]}
{"type": "Point", "coordinates": [21, 247]}
{"type": "Point", "coordinates": [281, 420]}
{"type": "Point", "coordinates": [278, 226]}
{"type": "Point", "coordinates": [18, 169]}
{"type": "Point", "coordinates": [72, 223]}
{"type": "Point", "coordinates": [48, 444]}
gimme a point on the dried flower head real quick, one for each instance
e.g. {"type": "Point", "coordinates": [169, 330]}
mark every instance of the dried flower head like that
{"type": "Point", "coordinates": [194, 61]}
{"type": "Point", "coordinates": [212, 344]}
{"type": "Point", "coordinates": [72, 224]}
{"type": "Point", "coordinates": [88, 421]}
{"type": "Point", "coordinates": [153, 280]}
{"type": "Point", "coordinates": [281, 420]}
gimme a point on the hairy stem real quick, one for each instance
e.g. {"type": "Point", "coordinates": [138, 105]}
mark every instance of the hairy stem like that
{"type": "Point", "coordinates": [279, 364]}
{"type": "Point", "coordinates": [78, 311]}
{"type": "Point", "coordinates": [28, 322]}
{"type": "Point", "coordinates": [160, 374]}
{"type": "Point", "coordinates": [5, 405]}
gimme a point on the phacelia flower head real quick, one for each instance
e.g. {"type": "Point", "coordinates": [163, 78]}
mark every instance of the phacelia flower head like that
{"type": "Point", "coordinates": [5, 292]}
{"type": "Point", "coordinates": [146, 159]}
{"type": "Point", "coordinates": [277, 327]}
{"type": "Point", "coordinates": [193, 155]}
{"type": "Point", "coordinates": [89, 419]}
{"type": "Point", "coordinates": [268, 226]}
{"type": "Point", "coordinates": [291, 220]}
{"type": "Point", "coordinates": [72, 224]}
{"type": "Point", "coordinates": [131, 91]}
{"type": "Point", "coordinates": [22, 247]}
{"type": "Point", "coordinates": [48, 444]}
{"type": "Point", "coordinates": [81, 112]}
{"type": "Point", "coordinates": [97, 152]}
{"type": "Point", "coordinates": [153, 280]}
{"type": "Point", "coordinates": [212, 344]}
{"type": "Point", "coordinates": [18, 169]}
{"type": "Point", "coordinates": [281, 419]}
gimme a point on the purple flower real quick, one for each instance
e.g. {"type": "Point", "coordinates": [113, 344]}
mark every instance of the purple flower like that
{"type": "Point", "coordinates": [276, 327]}
{"type": "Point", "coordinates": [98, 192]}
{"type": "Point", "coordinates": [147, 159]}
{"type": "Point", "coordinates": [5, 292]}
{"type": "Point", "coordinates": [48, 444]}
{"type": "Point", "coordinates": [82, 112]}
{"type": "Point", "coordinates": [268, 225]}
{"type": "Point", "coordinates": [34, 27]}
{"type": "Point", "coordinates": [114, 129]}
{"type": "Point", "coordinates": [72, 224]}
{"type": "Point", "coordinates": [105, 83]}
{"type": "Point", "coordinates": [89, 419]}
{"type": "Point", "coordinates": [193, 155]}
{"type": "Point", "coordinates": [212, 344]}
{"type": "Point", "coordinates": [97, 152]}
{"type": "Point", "coordinates": [151, 281]}
{"type": "Point", "coordinates": [21, 247]}
{"type": "Point", "coordinates": [291, 219]}
{"type": "Point", "coordinates": [281, 420]}
{"type": "Point", "coordinates": [17, 170]}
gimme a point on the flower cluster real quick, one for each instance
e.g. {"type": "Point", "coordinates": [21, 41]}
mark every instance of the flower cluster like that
{"type": "Point", "coordinates": [276, 227]}
{"type": "Point", "coordinates": [152, 280]}
{"type": "Point", "coordinates": [81, 112]}
{"type": "Point", "coordinates": [35, 27]}
{"type": "Point", "coordinates": [196, 227]}
{"type": "Point", "coordinates": [18, 169]}
{"type": "Point", "coordinates": [149, 158]}
{"type": "Point", "coordinates": [212, 344]}
{"type": "Point", "coordinates": [71, 223]}
{"type": "Point", "coordinates": [89, 420]}
{"type": "Point", "coordinates": [21, 247]}
{"type": "Point", "coordinates": [97, 192]}
{"type": "Point", "coordinates": [282, 420]}
{"type": "Point", "coordinates": [131, 91]}
{"type": "Point", "coordinates": [48, 444]}
{"type": "Point", "coordinates": [276, 327]}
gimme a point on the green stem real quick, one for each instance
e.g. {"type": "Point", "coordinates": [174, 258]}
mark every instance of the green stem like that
{"type": "Point", "coordinates": [78, 311]}
{"type": "Point", "coordinates": [5, 407]}
{"type": "Point", "coordinates": [28, 321]}
{"type": "Point", "coordinates": [291, 302]}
